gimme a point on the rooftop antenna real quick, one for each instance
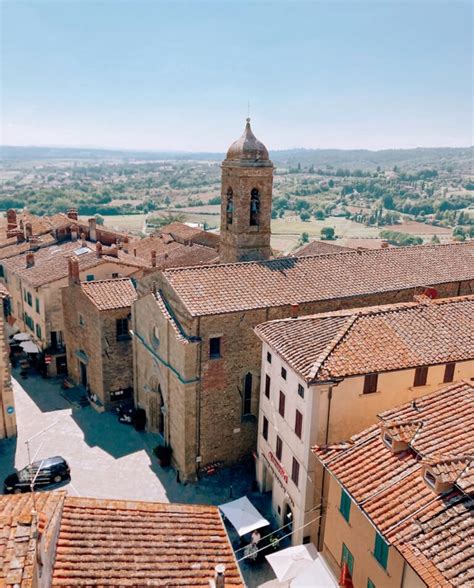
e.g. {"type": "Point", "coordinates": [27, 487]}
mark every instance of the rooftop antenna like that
{"type": "Point", "coordinates": [248, 109]}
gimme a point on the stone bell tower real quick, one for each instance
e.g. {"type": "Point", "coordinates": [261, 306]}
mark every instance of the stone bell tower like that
{"type": "Point", "coordinates": [246, 209]}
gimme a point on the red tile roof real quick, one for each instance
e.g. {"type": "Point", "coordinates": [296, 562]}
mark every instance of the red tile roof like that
{"type": "Point", "coordinates": [182, 233]}
{"type": "Point", "coordinates": [320, 248]}
{"type": "Point", "coordinates": [280, 282]}
{"type": "Point", "coordinates": [51, 263]}
{"type": "Point", "coordinates": [430, 530]}
{"type": "Point", "coordinates": [375, 339]}
{"type": "Point", "coordinates": [110, 294]}
{"type": "Point", "coordinates": [126, 543]}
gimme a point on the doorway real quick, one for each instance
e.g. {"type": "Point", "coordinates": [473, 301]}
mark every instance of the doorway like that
{"type": "Point", "coordinates": [83, 370]}
{"type": "Point", "coordinates": [288, 518]}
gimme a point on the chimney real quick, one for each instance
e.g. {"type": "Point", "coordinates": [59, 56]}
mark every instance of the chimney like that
{"type": "Point", "coordinates": [11, 219]}
{"type": "Point", "coordinates": [73, 233]}
{"type": "Point", "coordinates": [73, 267]}
{"type": "Point", "coordinates": [98, 249]}
{"type": "Point", "coordinates": [30, 259]}
{"type": "Point", "coordinates": [125, 243]}
{"type": "Point", "coordinates": [134, 252]}
{"type": "Point", "coordinates": [113, 251]}
{"type": "Point", "coordinates": [153, 258]}
{"type": "Point", "coordinates": [92, 229]}
{"type": "Point", "coordinates": [384, 244]}
{"type": "Point", "coordinates": [220, 576]}
{"type": "Point", "coordinates": [28, 231]}
{"type": "Point", "coordinates": [72, 213]}
{"type": "Point", "coordinates": [294, 310]}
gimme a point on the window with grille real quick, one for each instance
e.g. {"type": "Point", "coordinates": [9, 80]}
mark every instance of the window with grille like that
{"type": "Point", "coordinates": [449, 372]}
{"type": "Point", "coordinates": [298, 424]}
{"type": "Point", "coordinates": [267, 385]}
{"type": "Point", "coordinates": [421, 375]}
{"type": "Point", "coordinates": [370, 383]}
{"type": "Point", "coordinates": [265, 428]}
{"type": "Point", "coordinates": [295, 472]}
{"type": "Point", "coordinates": [281, 404]}
{"type": "Point", "coordinates": [279, 448]}
{"type": "Point", "coordinates": [122, 329]}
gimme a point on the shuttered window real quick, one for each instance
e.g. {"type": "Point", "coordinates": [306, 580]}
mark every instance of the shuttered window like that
{"type": "Point", "coordinates": [381, 551]}
{"type": "Point", "coordinates": [345, 505]}
{"type": "Point", "coordinates": [295, 472]}
{"type": "Point", "coordinates": [421, 375]}
{"type": "Point", "coordinates": [347, 558]}
{"type": "Point", "coordinates": [449, 373]}
{"type": "Point", "coordinates": [370, 383]}
{"type": "Point", "coordinates": [265, 428]}
{"type": "Point", "coordinates": [298, 423]}
{"type": "Point", "coordinates": [281, 404]}
{"type": "Point", "coordinates": [279, 448]}
{"type": "Point", "coordinates": [267, 385]}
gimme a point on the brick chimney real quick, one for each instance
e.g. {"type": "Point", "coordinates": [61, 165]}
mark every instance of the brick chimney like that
{"type": "Point", "coordinates": [98, 249]}
{"type": "Point", "coordinates": [73, 271]}
{"type": "Point", "coordinates": [219, 578]}
{"type": "Point", "coordinates": [30, 259]}
{"type": "Point", "coordinates": [384, 244]}
{"type": "Point", "coordinates": [92, 229]}
{"type": "Point", "coordinates": [72, 213]}
{"type": "Point", "coordinates": [28, 231]}
{"type": "Point", "coordinates": [11, 219]}
{"type": "Point", "coordinates": [153, 258]}
{"type": "Point", "coordinates": [295, 308]}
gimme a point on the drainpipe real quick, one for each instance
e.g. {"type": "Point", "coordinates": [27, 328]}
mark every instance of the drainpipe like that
{"type": "Point", "coordinates": [198, 396]}
{"type": "Point", "coordinates": [323, 478]}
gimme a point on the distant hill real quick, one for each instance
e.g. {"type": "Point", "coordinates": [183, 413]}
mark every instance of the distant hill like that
{"type": "Point", "coordinates": [460, 158]}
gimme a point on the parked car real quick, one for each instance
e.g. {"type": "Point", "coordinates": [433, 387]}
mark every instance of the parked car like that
{"type": "Point", "coordinates": [53, 470]}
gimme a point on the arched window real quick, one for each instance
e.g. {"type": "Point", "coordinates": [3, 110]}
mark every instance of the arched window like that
{"type": "Point", "coordinates": [230, 206]}
{"type": "Point", "coordinates": [254, 208]}
{"type": "Point", "coordinates": [247, 399]}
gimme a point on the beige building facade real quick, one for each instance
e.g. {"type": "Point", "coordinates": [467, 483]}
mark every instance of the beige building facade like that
{"type": "Point", "coordinates": [7, 402]}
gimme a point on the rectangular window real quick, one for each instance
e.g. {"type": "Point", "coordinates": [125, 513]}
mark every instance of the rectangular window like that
{"type": "Point", "coordinates": [421, 375]}
{"type": "Point", "coordinates": [122, 329]}
{"type": "Point", "coordinates": [247, 399]}
{"type": "Point", "coordinates": [449, 372]}
{"type": "Point", "coordinates": [300, 390]}
{"type": "Point", "coordinates": [298, 424]}
{"type": "Point", "coordinates": [90, 277]}
{"type": "Point", "coordinates": [37, 303]}
{"type": "Point", "coordinates": [265, 428]}
{"type": "Point", "coordinates": [370, 584]}
{"type": "Point", "coordinates": [295, 472]}
{"type": "Point", "coordinates": [370, 383]}
{"type": "Point", "coordinates": [214, 347]}
{"type": "Point", "coordinates": [115, 275]}
{"type": "Point", "coordinates": [345, 505]}
{"type": "Point", "coordinates": [29, 299]}
{"type": "Point", "coordinates": [38, 331]}
{"type": "Point", "coordinates": [283, 373]}
{"type": "Point", "coordinates": [269, 357]}
{"type": "Point", "coordinates": [281, 404]}
{"type": "Point", "coordinates": [1, 271]}
{"type": "Point", "coordinates": [347, 558]}
{"type": "Point", "coordinates": [267, 385]}
{"type": "Point", "coordinates": [381, 551]}
{"type": "Point", "coordinates": [279, 448]}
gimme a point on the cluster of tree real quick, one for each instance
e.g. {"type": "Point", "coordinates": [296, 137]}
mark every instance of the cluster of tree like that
{"type": "Point", "coordinates": [376, 218]}
{"type": "Point", "coordinates": [400, 239]}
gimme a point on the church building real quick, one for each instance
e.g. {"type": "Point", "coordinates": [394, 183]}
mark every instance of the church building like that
{"type": "Point", "coordinates": [197, 360]}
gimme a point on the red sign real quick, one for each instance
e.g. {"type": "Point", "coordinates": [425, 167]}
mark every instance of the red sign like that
{"type": "Point", "coordinates": [279, 467]}
{"type": "Point", "coordinates": [48, 359]}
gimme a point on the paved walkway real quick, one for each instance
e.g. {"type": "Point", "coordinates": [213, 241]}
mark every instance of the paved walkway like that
{"type": "Point", "coordinates": [109, 459]}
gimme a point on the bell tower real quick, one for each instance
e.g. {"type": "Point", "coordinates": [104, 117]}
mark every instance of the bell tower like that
{"type": "Point", "coordinates": [246, 200]}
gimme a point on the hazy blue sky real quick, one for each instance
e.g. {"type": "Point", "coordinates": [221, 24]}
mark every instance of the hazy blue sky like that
{"type": "Point", "coordinates": [178, 75]}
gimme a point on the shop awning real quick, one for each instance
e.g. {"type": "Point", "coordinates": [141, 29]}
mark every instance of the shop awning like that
{"type": "Point", "coordinates": [243, 515]}
{"type": "Point", "coordinates": [292, 561]}
{"type": "Point", "coordinates": [316, 575]}
{"type": "Point", "coordinates": [22, 337]}
{"type": "Point", "coordinates": [29, 347]}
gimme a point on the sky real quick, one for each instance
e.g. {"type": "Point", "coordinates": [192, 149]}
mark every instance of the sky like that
{"type": "Point", "coordinates": [149, 74]}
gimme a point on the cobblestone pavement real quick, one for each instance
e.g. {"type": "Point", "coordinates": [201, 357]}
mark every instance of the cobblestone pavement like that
{"type": "Point", "coordinates": [111, 460]}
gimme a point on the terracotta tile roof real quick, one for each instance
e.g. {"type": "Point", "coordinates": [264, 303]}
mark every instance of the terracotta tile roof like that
{"type": "Point", "coordinates": [51, 262]}
{"type": "Point", "coordinates": [18, 541]}
{"type": "Point", "coordinates": [110, 294]}
{"type": "Point", "coordinates": [15, 248]}
{"type": "Point", "coordinates": [375, 339]}
{"type": "Point", "coordinates": [125, 543]}
{"type": "Point", "coordinates": [182, 232]}
{"type": "Point", "coordinates": [430, 530]}
{"type": "Point", "coordinates": [320, 248]}
{"type": "Point", "coordinates": [280, 282]}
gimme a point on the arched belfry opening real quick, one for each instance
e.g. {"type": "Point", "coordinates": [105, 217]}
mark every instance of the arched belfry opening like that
{"type": "Point", "coordinates": [246, 200]}
{"type": "Point", "coordinates": [254, 208]}
{"type": "Point", "coordinates": [229, 207]}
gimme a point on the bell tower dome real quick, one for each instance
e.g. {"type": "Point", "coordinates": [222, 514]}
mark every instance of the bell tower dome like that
{"type": "Point", "coordinates": [246, 200]}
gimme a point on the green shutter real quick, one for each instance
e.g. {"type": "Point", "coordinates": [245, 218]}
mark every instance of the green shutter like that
{"type": "Point", "coordinates": [381, 551]}
{"type": "Point", "coordinates": [370, 584]}
{"type": "Point", "coordinates": [348, 558]}
{"type": "Point", "coordinates": [345, 505]}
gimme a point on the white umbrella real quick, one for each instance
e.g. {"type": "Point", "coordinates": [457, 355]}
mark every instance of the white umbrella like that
{"type": "Point", "coordinates": [290, 562]}
{"type": "Point", "coordinates": [29, 347]}
{"type": "Point", "coordinates": [316, 575]}
{"type": "Point", "coordinates": [22, 337]}
{"type": "Point", "coordinates": [243, 515]}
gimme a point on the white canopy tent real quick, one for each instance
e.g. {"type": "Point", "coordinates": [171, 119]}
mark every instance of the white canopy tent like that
{"type": "Point", "coordinates": [316, 575]}
{"type": "Point", "coordinates": [22, 337]}
{"type": "Point", "coordinates": [243, 515]}
{"type": "Point", "coordinates": [29, 347]}
{"type": "Point", "coordinates": [290, 562]}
